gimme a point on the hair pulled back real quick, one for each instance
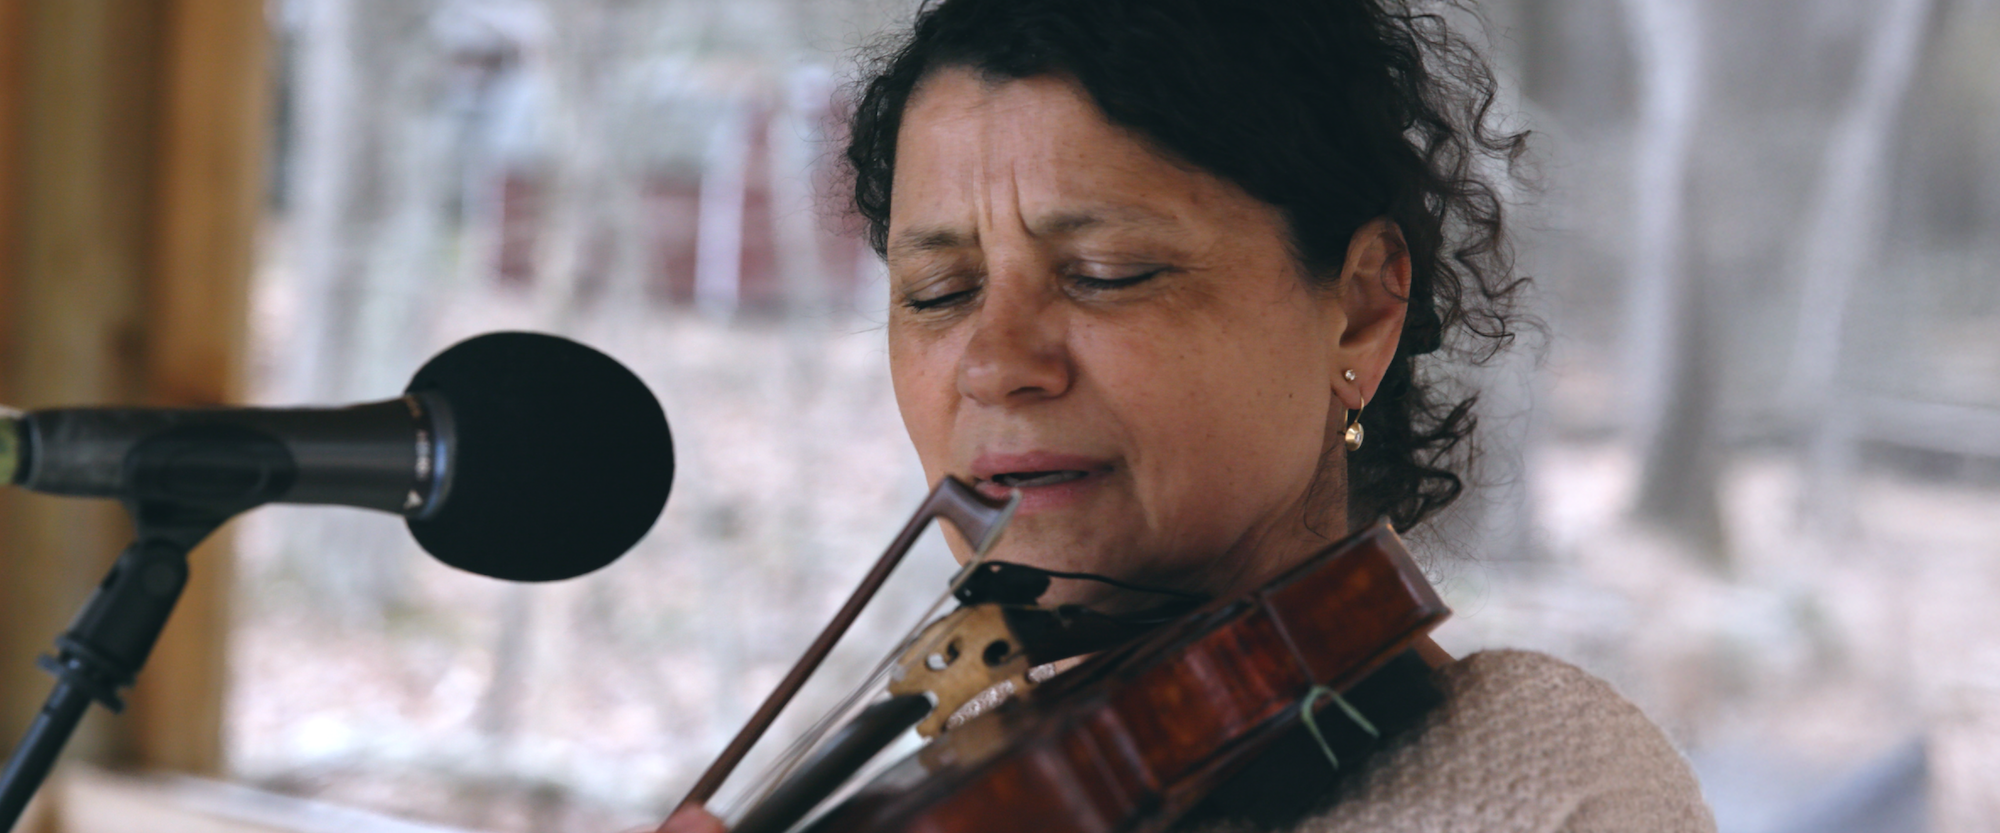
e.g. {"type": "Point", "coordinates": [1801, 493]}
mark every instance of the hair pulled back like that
{"type": "Point", "coordinates": [1333, 111]}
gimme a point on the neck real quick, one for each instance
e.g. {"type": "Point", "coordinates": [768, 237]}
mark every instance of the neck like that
{"type": "Point", "coordinates": [1315, 519]}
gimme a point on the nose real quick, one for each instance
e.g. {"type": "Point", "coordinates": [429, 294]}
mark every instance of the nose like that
{"type": "Point", "coordinates": [1018, 352]}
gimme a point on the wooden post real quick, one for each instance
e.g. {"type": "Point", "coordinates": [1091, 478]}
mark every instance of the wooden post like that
{"type": "Point", "coordinates": [210, 163]}
{"type": "Point", "coordinates": [14, 697]}
{"type": "Point", "coordinates": [83, 182]}
{"type": "Point", "coordinates": [13, 71]}
{"type": "Point", "coordinates": [130, 174]}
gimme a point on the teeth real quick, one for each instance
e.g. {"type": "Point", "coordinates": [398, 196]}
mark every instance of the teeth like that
{"type": "Point", "coordinates": [1029, 479]}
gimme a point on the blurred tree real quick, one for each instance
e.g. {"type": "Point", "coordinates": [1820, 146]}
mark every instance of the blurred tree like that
{"type": "Point", "coordinates": [1841, 243]}
{"type": "Point", "coordinates": [1670, 340]}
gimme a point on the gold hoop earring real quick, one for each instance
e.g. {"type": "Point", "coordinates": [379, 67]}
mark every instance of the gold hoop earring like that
{"type": "Point", "coordinates": [1354, 432]}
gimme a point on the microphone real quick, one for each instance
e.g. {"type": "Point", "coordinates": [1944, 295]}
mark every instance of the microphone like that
{"type": "Point", "coordinates": [521, 456]}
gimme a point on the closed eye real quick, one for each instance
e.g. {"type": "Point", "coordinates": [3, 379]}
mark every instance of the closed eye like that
{"type": "Point", "coordinates": [939, 301]}
{"type": "Point", "coordinates": [921, 300]}
{"type": "Point", "coordinates": [1099, 283]}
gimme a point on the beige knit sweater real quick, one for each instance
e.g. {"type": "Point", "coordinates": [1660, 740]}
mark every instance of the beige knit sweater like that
{"type": "Point", "coordinates": [1523, 743]}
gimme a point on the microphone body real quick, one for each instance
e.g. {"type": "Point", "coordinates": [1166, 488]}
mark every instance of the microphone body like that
{"type": "Point", "coordinates": [520, 456]}
{"type": "Point", "coordinates": [393, 456]}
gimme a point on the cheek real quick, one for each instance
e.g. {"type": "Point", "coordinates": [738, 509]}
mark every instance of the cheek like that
{"type": "Point", "coordinates": [925, 385]}
{"type": "Point", "coordinates": [1228, 420]}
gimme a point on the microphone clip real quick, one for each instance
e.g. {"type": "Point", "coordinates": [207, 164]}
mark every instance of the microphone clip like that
{"type": "Point", "coordinates": [111, 637]}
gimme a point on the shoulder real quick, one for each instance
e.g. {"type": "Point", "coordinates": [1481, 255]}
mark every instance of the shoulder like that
{"type": "Point", "coordinates": [1525, 742]}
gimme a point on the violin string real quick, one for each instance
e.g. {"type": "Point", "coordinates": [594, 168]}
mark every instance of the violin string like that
{"type": "Point", "coordinates": [802, 747]}
{"type": "Point", "coordinates": [796, 753]}
{"type": "Point", "coordinates": [846, 709]}
{"type": "Point", "coordinates": [799, 749]}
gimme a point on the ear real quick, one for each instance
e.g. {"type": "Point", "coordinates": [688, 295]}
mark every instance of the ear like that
{"type": "Point", "coordinates": [1373, 294]}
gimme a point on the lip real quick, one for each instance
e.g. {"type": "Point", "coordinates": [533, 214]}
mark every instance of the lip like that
{"type": "Point", "coordinates": [1039, 498]}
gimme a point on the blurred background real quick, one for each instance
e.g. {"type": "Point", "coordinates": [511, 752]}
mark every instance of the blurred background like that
{"type": "Point", "coordinates": [1749, 473]}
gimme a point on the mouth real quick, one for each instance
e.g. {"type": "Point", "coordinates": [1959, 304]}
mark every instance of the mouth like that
{"type": "Point", "coordinates": [1032, 479]}
{"type": "Point", "coordinates": [1046, 480]}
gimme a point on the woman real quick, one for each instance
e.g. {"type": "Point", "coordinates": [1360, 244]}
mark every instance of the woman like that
{"type": "Point", "coordinates": [1179, 271]}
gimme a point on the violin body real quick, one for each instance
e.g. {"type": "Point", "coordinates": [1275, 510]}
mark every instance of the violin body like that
{"type": "Point", "coordinates": [1134, 737]}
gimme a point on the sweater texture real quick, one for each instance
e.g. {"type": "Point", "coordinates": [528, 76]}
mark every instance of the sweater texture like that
{"type": "Point", "coordinates": [1522, 743]}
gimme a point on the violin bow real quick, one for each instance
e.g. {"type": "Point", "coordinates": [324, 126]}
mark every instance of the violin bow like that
{"type": "Point", "coordinates": [978, 518]}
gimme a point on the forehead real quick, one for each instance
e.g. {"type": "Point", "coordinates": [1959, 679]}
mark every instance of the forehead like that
{"type": "Point", "coordinates": [1035, 151]}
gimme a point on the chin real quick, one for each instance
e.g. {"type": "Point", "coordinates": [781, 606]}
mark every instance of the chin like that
{"type": "Point", "coordinates": [1055, 549]}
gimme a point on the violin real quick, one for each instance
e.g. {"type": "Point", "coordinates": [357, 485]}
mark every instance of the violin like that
{"type": "Point", "coordinates": [1158, 718]}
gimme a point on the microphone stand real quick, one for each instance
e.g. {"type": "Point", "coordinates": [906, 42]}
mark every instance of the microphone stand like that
{"type": "Point", "coordinates": [111, 637]}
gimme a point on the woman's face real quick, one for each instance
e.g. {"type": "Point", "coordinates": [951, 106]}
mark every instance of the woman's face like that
{"type": "Point", "coordinates": [1126, 340]}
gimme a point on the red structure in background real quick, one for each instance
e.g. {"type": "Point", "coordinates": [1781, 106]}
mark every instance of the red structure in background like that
{"type": "Point", "coordinates": [673, 211]}
{"type": "Point", "coordinates": [671, 201]}
{"type": "Point", "coordinates": [520, 206]}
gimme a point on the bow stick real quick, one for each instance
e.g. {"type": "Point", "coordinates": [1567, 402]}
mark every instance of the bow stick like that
{"type": "Point", "coordinates": [978, 518]}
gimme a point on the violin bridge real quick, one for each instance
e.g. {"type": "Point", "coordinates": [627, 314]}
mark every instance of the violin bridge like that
{"type": "Point", "coordinates": [958, 658]}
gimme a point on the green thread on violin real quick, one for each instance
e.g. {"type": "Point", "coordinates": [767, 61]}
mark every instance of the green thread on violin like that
{"type": "Point", "coordinates": [1307, 706]}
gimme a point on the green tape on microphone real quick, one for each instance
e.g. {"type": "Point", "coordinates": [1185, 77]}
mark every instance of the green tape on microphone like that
{"type": "Point", "coordinates": [10, 444]}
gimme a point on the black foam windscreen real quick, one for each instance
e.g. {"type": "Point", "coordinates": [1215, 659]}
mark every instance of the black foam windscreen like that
{"type": "Point", "coordinates": [562, 460]}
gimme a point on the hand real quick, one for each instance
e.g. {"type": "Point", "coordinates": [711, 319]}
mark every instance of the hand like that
{"type": "Point", "coordinates": [692, 818]}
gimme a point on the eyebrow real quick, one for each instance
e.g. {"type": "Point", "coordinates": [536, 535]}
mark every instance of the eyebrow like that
{"type": "Point", "coordinates": [920, 239]}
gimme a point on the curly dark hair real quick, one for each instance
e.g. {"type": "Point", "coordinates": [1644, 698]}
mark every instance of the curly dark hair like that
{"type": "Point", "coordinates": [1336, 112]}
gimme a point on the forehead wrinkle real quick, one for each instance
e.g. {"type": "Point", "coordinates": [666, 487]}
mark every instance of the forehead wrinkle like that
{"type": "Point", "coordinates": [998, 193]}
{"type": "Point", "coordinates": [1005, 181]}
{"type": "Point", "coordinates": [1071, 221]}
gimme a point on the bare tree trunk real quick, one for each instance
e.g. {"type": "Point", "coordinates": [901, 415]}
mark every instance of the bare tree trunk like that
{"type": "Point", "coordinates": [1683, 464]}
{"type": "Point", "coordinates": [1666, 38]}
{"type": "Point", "coordinates": [1842, 242]}
{"type": "Point", "coordinates": [589, 248]}
{"type": "Point", "coordinates": [1669, 348]}
{"type": "Point", "coordinates": [364, 243]}
{"type": "Point", "coordinates": [719, 243]}
{"type": "Point", "coordinates": [324, 167]}
{"type": "Point", "coordinates": [407, 247]}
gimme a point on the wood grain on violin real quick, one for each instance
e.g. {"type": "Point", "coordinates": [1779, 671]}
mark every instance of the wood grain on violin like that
{"type": "Point", "coordinates": [1135, 736]}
